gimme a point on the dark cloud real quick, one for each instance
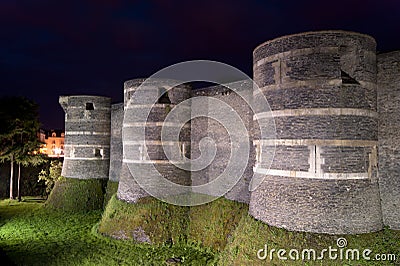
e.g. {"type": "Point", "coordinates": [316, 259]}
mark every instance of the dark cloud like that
{"type": "Point", "coordinates": [50, 48]}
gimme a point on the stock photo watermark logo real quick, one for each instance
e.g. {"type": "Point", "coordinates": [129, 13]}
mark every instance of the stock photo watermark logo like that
{"type": "Point", "coordinates": [183, 109]}
{"type": "Point", "coordinates": [340, 251]}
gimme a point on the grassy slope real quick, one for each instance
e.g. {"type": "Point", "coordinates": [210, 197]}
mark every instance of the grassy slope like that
{"type": "Point", "coordinates": [112, 188]}
{"type": "Point", "coordinates": [150, 220]}
{"type": "Point", "coordinates": [71, 194]}
{"type": "Point", "coordinates": [209, 225]}
{"type": "Point", "coordinates": [251, 235]}
{"type": "Point", "coordinates": [212, 224]}
{"type": "Point", "coordinates": [32, 235]}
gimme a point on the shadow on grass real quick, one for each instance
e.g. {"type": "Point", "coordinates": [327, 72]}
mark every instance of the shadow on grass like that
{"type": "Point", "coordinates": [34, 199]}
{"type": "Point", "coordinates": [5, 260]}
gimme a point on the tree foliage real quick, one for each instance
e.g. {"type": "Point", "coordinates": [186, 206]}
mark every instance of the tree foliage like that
{"type": "Point", "coordinates": [51, 175]}
{"type": "Point", "coordinates": [19, 120]}
{"type": "Point", "coordinates": [19, 126]}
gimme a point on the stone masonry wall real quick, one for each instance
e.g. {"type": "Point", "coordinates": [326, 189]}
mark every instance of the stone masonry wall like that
{"type": "Point", "coordinates": [389, 137]}
{"type": "Point", "coordinates": [117, 117]}
{"type": "Point", "coordinates": [141, 152]}
{"type": "Point", "coordinates": [207, 127]}
{"type": "Point", "coordinates": [199, 130]}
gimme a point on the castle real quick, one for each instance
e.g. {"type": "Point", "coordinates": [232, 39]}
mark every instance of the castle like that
{"type": "Point", "coordinates": [335, 104]}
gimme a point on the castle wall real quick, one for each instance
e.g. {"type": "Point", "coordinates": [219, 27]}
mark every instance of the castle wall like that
{"type": "Point", "coordinates": [208, 127]}
{"type": "Point", "coordinates": [389, 138]}
{"type": "Point", "coordinates": [199, 130]}
{"type": "Point", "coordinates": [321, 87]}
{"type": "Point", "coordinates": [141, 154]}
{"type": "Point", "coordinates": [87, 136]}
{"type": "Point", "coordinates": [128, 189]}
{"type": "Point", "coordinates": [117, 117]}
{"type": "Point", "coordinates": [331, 124]}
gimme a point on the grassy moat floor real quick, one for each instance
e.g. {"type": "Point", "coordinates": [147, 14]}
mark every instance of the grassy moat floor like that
{"type": "Point", "coordinates": [33, 235]}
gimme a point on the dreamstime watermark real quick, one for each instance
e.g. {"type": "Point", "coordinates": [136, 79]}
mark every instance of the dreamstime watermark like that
{"type": "Point", "coordinates": [338, 252]}
{"type": "Point", "coordinates": [144, 100]}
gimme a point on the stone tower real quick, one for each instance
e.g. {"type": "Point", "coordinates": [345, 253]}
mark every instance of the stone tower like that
{"type": "Point", "coordinates": [141, 154]}
{"type": "Point", "coordinates": [87, 136]}
{"type": "Point", "coordinates": [321, 87]}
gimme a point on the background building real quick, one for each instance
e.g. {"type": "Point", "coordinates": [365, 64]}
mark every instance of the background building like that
{"type": "Point", "coordinates": [53, 142]}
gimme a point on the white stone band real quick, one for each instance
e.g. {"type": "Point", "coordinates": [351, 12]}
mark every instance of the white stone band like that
{"type": "Point", "coordinates": [154, 124]}
{"type": "Point", "coordinates": [317, 111]}
{"type": "Point", "coordinates": [304, 174]}
{"type": "Point", "coordinates": [70, 133]}
{"type": "Point", "coordinates": [152, 161]}
{"type": "Point", "coordinates": [320, 142]}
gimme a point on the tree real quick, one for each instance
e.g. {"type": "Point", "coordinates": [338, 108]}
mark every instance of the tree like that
{"type": "Point", "coordinates": [26, 158]}
{"type": "Point", "coordinates": [18, 135]}
{"type": "Point", "coordinates": [51, 174]}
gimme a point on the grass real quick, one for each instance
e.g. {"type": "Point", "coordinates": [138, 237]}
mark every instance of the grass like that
{"type": "Point", "coordinates": [252, 235]}
{"type": "Point", "coordinates": [112, 188]}
{"type": "Point", "coordinates": [150, 220]}
{"type": "Point", "coordinates": [33, 235]}
{"type": "Point", "coordinates": [147, 221]}
{"type": "Point", "coordinates": [212, 224]}
{"type": "Point", "coordinates": [218, 233]}
{"type": "Point", "coordinates": [71, 194]}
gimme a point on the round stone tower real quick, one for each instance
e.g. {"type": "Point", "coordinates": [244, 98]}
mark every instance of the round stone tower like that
{"type": "Point", "coordinates": [87, 136]}
{"type": "Point", "coordinates": [321, 87]}
{"type": "Point", "coordinates": [142, 152]}
{"type": "Point", "coordinates": [87, 154]}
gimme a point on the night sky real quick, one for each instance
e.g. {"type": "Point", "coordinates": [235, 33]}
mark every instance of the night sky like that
{"type": "Point", "coordinates": [51, 48]}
